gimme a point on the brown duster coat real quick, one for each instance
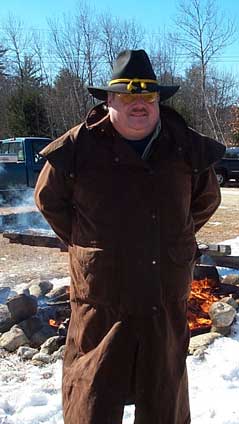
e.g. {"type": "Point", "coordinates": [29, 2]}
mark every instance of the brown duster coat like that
{"type": "Point", "coordinates": [130, 226]}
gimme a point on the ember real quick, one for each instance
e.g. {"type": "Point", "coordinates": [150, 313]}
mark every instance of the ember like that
{"type": "Point", "coordinates": [54, 323]}
{"type": "Point", "coordinates": [200, 300]}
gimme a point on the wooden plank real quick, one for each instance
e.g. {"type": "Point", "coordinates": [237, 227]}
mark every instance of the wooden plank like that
{"type": "Point", "coordinates": [32, 238]}
{"type": "Point", "coordinates": [214, 249]}
{"type": "Point", "coordinates": [226, 261]}
{"type": "Point", "coordinates": [43, 238]}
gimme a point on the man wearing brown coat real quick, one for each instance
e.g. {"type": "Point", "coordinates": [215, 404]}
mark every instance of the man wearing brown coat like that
{"type": "Point", "coordinates": [127, 190]}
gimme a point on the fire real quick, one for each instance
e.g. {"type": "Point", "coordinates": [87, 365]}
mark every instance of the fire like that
{"type": "Point", "coordinates": [53, 323]}
{"type": "Point", "coordinates": [200, 300]}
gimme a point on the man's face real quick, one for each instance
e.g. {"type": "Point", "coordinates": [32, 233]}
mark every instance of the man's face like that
{"type": "Point", "coordinates": [134, 119]}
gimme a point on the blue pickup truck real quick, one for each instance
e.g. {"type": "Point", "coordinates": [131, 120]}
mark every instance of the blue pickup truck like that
{"type": "Point", "coordinates": [228, 167]}
{"type": "Point", "coordinates": [20, 162]}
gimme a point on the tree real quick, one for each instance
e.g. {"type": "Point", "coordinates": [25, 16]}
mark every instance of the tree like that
{"type": "Point", "coordinates": [26, 113]}
{"type": "Point", "coordinates": [117, 35]}
{"type": "Point", "coordinates": [3, 51]}
{"type": "Point", "coordinates": [4, 92]}
{"type": "Point", "coordinates": [74, 43]}
{"type": "Point", "coordinates": [65, 110]}
{"type": "Point", "coordinates": [203, 32]}
{"type": "Point", "coordinates": [234, 124]}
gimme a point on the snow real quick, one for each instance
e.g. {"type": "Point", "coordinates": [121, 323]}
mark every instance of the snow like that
{"type": "Point", "coordinates": [31, 394]}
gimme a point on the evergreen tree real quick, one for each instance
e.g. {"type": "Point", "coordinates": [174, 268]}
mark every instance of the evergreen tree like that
{"type": "Point", "coordinates": [26, 111]}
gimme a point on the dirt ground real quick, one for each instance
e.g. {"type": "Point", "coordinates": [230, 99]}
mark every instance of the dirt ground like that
{"type": "Point", "coordinates": [224, 224]}
{"type": "Point", "coordinates": [21, 263]}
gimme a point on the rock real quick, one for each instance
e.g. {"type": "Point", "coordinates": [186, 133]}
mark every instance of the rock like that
{"type": "Point", "coordinates": [200, 352]}
{"type": "Point", "coordinates": [25, 291]}
{"type": "Point", "coordinates": [41, 358]}
{"type": "Point", "coordinates": [224, 331]}
{"type": "Point", "coordinates": [13, 339]}
{"type": "Point", "coordinates": [4, 293]}
{"type": "Point", "coordinates": [41, 288]}
{"type": "Point", "coordinates": [231, 279]}
{"type": "Point", "coordinates": [6, 321]}
{"type": "Point", "coordinates": [42, 335]}
{"type": "Point", "coordinates": [59, 354]}
{"type": "Point", "coordinates": [59, 291]}
{"type": "Point", "coordinates": [202, 341]}
{"type": "Point", "coordinates": [221, 314]}
{"type": "Point", "coordinates": [31, 325]}
{"type": "Point", "coordinates": [22, 307]}
{"type": "Point", "coordinates": [26, 352]}
{"type": "Point", "coordinates": [230, 301]}
{"type": "Point", "coordinates": [52, 344]}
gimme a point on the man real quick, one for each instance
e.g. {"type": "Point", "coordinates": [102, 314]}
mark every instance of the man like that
{"type": "Point", "coordinates": [126, 191]}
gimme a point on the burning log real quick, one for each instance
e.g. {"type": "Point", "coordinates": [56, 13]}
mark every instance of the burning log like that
{"type": "Point", "coordinates": [225, 289]}
{"type": "Point", "coordinates": [204, 294]}
{"type": "Point", "coordinates": [200, 299]}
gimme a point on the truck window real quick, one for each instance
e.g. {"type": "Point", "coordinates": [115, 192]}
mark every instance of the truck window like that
{"type": "Point", "coordinates": [4, 149]}
{"type": "Point", "coordinates": [13, 149]}
{"type": "Point", "coordinates": [17, 149]}
{"type": "Point", "coordinates": [37, 146]}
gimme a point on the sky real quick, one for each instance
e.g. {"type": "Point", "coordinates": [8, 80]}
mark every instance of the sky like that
{"type": "Point", "coordinates": [154, 15]}
{"type": "Point", "coordinates": [30, 394]}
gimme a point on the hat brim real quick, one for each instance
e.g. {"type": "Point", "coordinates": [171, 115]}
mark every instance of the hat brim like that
{"type": "Point", "coordinates": [100, 93]}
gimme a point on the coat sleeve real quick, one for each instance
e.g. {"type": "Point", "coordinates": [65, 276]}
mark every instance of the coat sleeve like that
{"type": "Point", "coordinates": [206, 197]}
{"type": "Point", "coordinates": [53, 198]}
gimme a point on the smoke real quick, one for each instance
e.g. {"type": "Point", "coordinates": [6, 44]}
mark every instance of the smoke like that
{"type": "Point", "coordinates": [2, 169]}
{"type": "Point", "coordinates": [19, 212]}
{"type": "Point", "coordinates": [12, 197]}
{"type": "Point", "coordinates": [22, 197]}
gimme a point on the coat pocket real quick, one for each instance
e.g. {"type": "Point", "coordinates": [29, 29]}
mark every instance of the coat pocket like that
{"type": "Point", "coordinates": [177, 270]}
{"type": "Point", "coordinates": [93, 274]}
{"type": "Point", "coordinates": [183, 253]}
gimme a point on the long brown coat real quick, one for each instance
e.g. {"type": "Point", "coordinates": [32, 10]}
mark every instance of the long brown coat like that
{"type": "Point", "coordinates": [130, 226]}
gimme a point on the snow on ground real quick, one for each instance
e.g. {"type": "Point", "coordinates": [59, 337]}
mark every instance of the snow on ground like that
{"type": "Point", "coordinates": [31, 394]}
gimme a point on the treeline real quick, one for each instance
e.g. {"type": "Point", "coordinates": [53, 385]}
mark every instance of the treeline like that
{"type": "Point", "coordinates": [44, 75]}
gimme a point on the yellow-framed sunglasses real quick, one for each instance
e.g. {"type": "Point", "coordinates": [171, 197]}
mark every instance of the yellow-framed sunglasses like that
{"type": "Point", "coordinates": [131, 98]}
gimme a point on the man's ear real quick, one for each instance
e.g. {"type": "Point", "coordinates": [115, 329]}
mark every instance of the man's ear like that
{"type": "Point", "coordinates": [109, 98]}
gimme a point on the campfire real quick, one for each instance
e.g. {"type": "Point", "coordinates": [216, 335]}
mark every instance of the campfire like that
{"type": "Point", "coordinates": [200, 299]}
{"type": "Point", "coordinates": [39, 317]}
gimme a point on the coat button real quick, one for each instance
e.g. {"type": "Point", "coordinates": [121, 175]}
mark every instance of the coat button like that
{"type": "Point", "coordinates": [155, 308]}
{"type": "Point", "coordinates": [154, 262]}
{"type": "Point", "coordinates": [116, 159]}
{"type": "Point", "coordinates": [153, 216]}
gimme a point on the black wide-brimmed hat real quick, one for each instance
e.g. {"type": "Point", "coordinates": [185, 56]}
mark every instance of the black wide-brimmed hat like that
{"type": "Point", "coordinates": [133, 73]}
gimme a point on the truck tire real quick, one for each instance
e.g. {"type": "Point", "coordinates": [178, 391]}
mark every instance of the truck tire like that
{"type": "Point", "coordinates": [221, 177]}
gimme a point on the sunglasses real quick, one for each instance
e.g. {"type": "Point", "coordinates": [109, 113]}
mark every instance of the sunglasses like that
{"type": "Point", "coordinates": [131, 98]}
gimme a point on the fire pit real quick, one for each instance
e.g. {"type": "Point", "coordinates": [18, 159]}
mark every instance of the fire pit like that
{"type": "Point", "coordinates": [207, 289]}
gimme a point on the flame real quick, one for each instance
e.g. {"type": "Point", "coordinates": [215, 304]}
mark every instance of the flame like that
{"type": "Point", "coordinates": [53, 323]}
{"type": "Point", "coordinates": [200, 300]}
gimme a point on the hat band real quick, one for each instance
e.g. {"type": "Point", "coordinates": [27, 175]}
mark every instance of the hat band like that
{"type": "Point", "coordinates": [130, 86]}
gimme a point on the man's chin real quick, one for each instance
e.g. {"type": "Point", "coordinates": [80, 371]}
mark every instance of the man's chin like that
{"type": "Point", "coordinates": [138, 133]}
{"type": "Point", "coordinates": [138, 122]}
